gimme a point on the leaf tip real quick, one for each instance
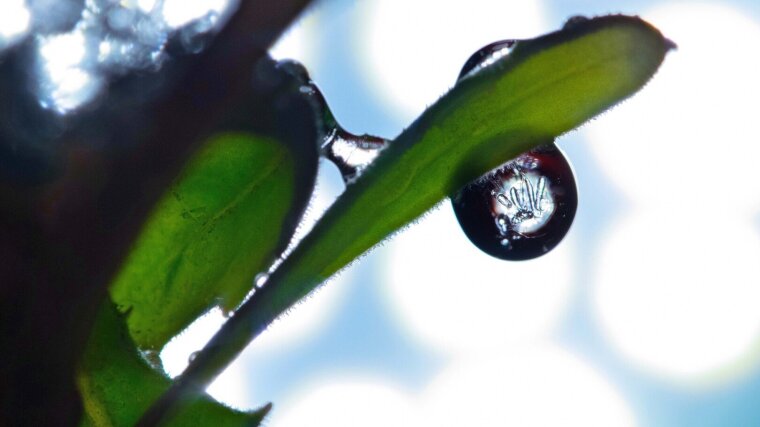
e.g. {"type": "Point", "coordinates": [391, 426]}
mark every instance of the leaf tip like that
{"type": "Point", "coordinates": [670, 44]}
{"type": "Point", "coordinates": [258, 415]}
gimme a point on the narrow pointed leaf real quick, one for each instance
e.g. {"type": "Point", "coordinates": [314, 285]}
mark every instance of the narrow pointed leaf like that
{"type": "Point", "coordinates": [544, 88]}
{"type": "Point", "coordinates": [225, 219]}
{"type": "Point", "coordinates": [117, 385]}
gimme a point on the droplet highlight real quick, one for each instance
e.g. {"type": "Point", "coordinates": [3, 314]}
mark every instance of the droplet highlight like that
{"type": "Point", "coordinates": [260, 280]}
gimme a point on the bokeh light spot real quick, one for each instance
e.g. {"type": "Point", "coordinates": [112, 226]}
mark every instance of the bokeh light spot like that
{"type": "Point", "coordinates": [455, 297]}
{"type": "Point", "coordinates": [534, 386]}
{"type": "Point", "coordinates": [410, 56]}
{"type": "Point", "coordinates": [347, 403]}
{"type": "Point", "coordinates": [684, 306]}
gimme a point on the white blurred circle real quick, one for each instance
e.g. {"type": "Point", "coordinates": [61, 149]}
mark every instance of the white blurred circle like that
{"type": "Point", "coordinates": [689, 134]}
{"type": "Point", "coordinates": [412, 51]}
{"type": "Point", "coordinates": [540, 386]}
{"type": "Point", "coordinates": [346, 403]}
{"type": "Point", "coordinates": [230, 387]}
{"type": "Point", "coordinates": [14, 21]}
{"type": "Point", "coordinates": [452, 295]}
{"type": "Point", "coordinates": [306, 318]}
{"type": "Point", "coordinates": [678, 295]}
{"type": "Point", "coordinates": [182, 12]}
{"type": "Point", "coordinates": [303, 320]}
{"type": "Point", "coordinates": [297, 42]}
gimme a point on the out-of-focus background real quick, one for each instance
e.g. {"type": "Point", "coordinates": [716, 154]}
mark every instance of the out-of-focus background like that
{"type": "Point", "coordinates": [647, 314]}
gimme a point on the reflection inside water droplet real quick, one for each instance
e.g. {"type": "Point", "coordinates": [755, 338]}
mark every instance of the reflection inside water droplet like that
{"type": "Point", "coordinates": [574, 20]}
{"type": "Point", "coordinates": [523, 200]}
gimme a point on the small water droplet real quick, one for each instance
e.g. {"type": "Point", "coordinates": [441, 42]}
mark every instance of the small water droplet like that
{"type": "Point", "coordinates": [349, 152]}
{"type": "Point", "coordinates": [193, 356]}
{"type": "Point", "coordinates": [352, 153]}
{"type": "Point", "coordinates": [486, 56]}
{"type": "Point", "coordinates": [153, 358]}
{"type": "Point", "coordinates": [574, 20]}
{"type": "Point", "coordinates": [260, 279]}
{"type": "Point", "coordinates": [523, 209]}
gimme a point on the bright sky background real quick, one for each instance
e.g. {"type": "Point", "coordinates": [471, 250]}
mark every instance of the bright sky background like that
{"type": "Point", "coordinates": [645, 315]}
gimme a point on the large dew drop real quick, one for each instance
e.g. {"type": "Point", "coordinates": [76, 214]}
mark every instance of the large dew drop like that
{"type": "Point", "coordinates": [524, 208]}
{"type": "Point", "coordinates": [521, 210]}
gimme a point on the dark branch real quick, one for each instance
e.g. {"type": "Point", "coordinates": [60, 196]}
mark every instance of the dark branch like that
{"type": "Point", "coordinates": [62, 240]}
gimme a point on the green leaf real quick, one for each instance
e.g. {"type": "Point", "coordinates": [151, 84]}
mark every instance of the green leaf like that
{"type": "Point", "coordinates": [542, 89]}
{"type": "Point", "coordinates": [224, 220]}
{"type": "Point", "coordinates": [117, 385]}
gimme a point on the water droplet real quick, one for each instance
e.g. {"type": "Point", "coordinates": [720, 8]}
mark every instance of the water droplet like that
{"type": "Point", "coordinates": [352, 153]}
{"type": "Point", "coordinates": [260, 279]}
{"type": "Point", "coordinates": [349, 152]}
{"type": "Point", "coordinates": [523, 209]}
{"type": "Point", "coordinates": [574, 20]}
{"type": "Point", "coordinates": [486, 56]}
{"type": "Point", "coordinates": [153, 358]}
{"type": "Point", "coordinates": [193, 356]}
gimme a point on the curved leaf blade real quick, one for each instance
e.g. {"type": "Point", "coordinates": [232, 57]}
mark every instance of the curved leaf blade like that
{"type": "Point", "coordinates": [117, 385]}
{"type": "Point", "coordinates": [544, 88]}
{"type": "Point", "coordinates": [223, 221]}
